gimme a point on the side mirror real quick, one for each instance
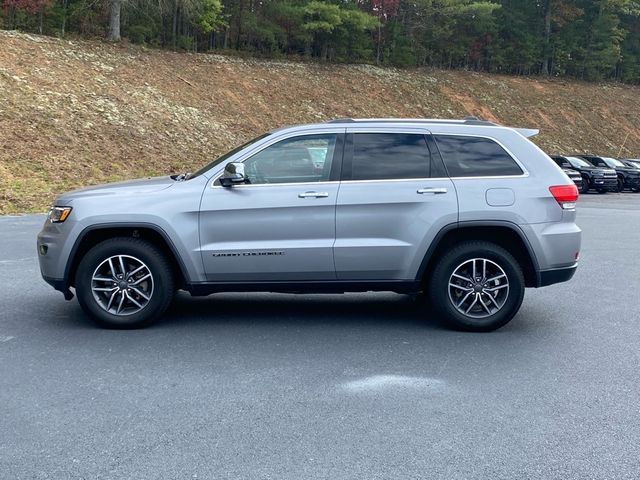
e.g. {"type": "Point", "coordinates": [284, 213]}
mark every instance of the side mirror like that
{"type": "Point", "coordinates": [233, 173]}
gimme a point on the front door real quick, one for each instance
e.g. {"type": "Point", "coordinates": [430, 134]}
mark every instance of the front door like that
{"type": "Point", "coordinates": [280, 227]}
{"type": "Point", "coordinates": [394, 198]}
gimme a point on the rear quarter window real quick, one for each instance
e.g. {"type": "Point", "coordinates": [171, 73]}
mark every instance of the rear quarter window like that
{"type": "Point", "coordinates": [467, 156]}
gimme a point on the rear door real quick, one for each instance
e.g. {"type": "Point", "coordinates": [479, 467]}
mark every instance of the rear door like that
{"type": "Point", "coordinates": [394, 198]}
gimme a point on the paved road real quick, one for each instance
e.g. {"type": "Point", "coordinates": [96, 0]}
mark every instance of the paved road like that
{"type": "Point", "coordinates": [302, 387]}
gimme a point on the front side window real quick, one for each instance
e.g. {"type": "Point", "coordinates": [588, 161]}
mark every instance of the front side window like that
{"type": "Point", "coordinates": [598, 162]}
{"type": "Point", "coordinates": [388, 156]}
{"type": "Point", "coordinates": [294, 160]}
{"type": "Point", "coordinates": [475, 157]}
{"type": "Point", "coordinates": [224, 157]}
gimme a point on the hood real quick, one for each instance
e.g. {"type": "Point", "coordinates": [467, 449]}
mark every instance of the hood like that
{"type": "Point", "coordinates": [628, 170]}
{"type": "Point", "coordinates": [141, 185]}
{"type": "Point", "coordinates": [595, 168]}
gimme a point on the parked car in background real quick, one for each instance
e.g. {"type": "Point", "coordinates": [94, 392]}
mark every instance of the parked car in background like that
{"type": "Point", "coordinates": [575, 177]}
{"type": "Point", "coordinates": [593, 177]}
{"type": "Point", "coordinates": [628, 177]}
{"type": "Point", "coordinates": [632, 162]}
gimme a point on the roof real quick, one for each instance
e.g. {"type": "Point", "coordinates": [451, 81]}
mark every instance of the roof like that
{"type": "Point", "coordinates": [465, 122]}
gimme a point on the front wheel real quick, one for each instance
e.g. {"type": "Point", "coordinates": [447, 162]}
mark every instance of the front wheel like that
{"type": "Point", "coordinates": [585, 185]}
{"type": "Point", "coordinates": [124, 283]}
{"type": "Point", "coordinates": [620, 186]}
{"type": "Point", "coordinates": [477, 286]}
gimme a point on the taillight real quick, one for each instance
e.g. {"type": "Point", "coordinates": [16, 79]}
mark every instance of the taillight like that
{"type": "Point", "coordinates": [565, 195]}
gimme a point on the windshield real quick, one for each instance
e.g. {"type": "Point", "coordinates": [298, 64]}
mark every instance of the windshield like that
{"type": "Point", "coordinates": [633, 163]}
{"type": "Point", "coordinates": [226, 156]}
{"type": "Point", "coordinates": [578, 162]}
{"type": "Point", "coordinates": [612, 162]}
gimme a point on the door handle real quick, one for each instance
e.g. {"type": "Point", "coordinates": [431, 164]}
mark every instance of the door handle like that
{"type": "Point", "coordinates": [434, 190]}
{"type": "Point", "coordinates": [313, 195]}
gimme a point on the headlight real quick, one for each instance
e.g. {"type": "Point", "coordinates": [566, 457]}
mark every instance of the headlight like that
{"type": "Point", "coordinates": [59, 214]}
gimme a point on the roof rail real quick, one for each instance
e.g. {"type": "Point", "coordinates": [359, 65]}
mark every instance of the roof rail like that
{"type": "Point", "coordinates": [341, 120]}
{"type": "Point", "coordinates": [465, 121]}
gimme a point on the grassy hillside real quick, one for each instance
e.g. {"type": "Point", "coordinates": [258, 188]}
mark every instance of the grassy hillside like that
{"type": "Point", "coordinates": [79, 113]}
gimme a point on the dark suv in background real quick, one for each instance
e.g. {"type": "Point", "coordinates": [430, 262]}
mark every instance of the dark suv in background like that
{"type": "Point", "coordinates": [574, 176]}
{"type": "Point", "coordinates": [627, 177]}
{"type": "Point", "coordinates": [593, 177]}
{"type": "Point", "coordinates": [632, 162]}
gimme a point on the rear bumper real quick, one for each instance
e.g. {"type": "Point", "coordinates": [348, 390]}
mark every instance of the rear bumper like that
{"type": "Point", "coordinates": [557, 275]}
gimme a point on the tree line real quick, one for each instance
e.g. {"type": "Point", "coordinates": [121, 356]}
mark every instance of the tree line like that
{"type": "Point", "coordinates": [585, 39]}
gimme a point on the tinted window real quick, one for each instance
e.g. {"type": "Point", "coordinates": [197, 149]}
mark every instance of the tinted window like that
{"type": "Point", "coordinates": [561, 162]}
{"type": "Point", "coordinates": [388, 156]}
{"type": "Point", "coordinates": [294, 160]}
{"type": "Point", "coordinates": [597, 162]}
{"type": "Point", "coordinates": [475, 157]}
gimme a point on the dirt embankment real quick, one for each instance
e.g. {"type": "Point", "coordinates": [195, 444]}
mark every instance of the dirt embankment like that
{"type": "Point", "coordinates": [77, 113]}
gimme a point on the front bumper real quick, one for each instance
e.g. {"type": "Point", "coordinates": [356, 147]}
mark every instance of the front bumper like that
{"type": "Point", "coordinates": [608, 184]}
{"type": "Point", "coordinates": [53, 250]}
{"type": "Point", "coordinates": [632, 182]}
{"type": "Point", "coordinates": [60, 285]}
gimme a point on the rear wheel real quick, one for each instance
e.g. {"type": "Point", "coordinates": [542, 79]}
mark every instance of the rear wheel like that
{"type": "Point", "coordinates": [124, 283]}
{"type": "Point", "coordinates": [477, 286]}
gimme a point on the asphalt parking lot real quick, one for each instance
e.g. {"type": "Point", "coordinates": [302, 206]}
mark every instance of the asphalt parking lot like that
{"type": "Point", "coordinates": [266, 386]}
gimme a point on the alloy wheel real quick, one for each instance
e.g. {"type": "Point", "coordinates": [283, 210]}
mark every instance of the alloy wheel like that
{"type": "Point", "coordinates": [122, 285]}
{"type": "Point", "coordinates": [478, 288]}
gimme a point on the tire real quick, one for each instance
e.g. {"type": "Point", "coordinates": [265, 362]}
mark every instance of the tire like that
{"type": "Point", "coordinates": [117, 302]}
{"type": "Point", "coordinates": [481, 318]}
{"type": "Point", "coordinates": [584, 188]}
{"type": "Point", "coordinates": [620, 188]}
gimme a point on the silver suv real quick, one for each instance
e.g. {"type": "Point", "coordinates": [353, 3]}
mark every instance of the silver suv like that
{"type": "Point", "coordinates": [466, 211]}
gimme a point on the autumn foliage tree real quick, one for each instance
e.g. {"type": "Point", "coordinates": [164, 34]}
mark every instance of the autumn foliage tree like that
{"type": "Point", "coordinates": [587, 39]}
{"type": "Point", "coordinates": [34, 7]}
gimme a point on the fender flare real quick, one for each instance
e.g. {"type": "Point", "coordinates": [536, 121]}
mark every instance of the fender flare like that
{"type": "Point", "coordinates": [478, 223]}
{"type": "Point", "coordinates": [104, 226]}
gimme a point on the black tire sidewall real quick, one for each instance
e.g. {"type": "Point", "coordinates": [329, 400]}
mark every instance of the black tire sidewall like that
{"type": "Point", "coordinates": [147, 253]}
{"type": "Point", "coordinates": [439, 286]}
{"type": "Point", "coordinates": [585, 185]}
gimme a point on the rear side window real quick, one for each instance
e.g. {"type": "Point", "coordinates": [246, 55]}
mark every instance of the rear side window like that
{"type": "Point", "coordinates": [475, 157]}
{"type": "Point", "coordinates": [389, 156]}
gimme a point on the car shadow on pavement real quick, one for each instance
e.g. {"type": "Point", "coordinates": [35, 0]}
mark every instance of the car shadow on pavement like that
{"type": "Point", "coordinates": [282, 309]}
{"type": "Point", "coordinates": [381, 310]}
